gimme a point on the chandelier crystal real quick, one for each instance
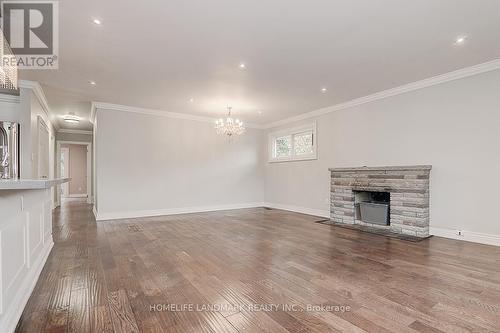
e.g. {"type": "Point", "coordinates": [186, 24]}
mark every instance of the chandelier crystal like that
{"type": "Point", "coordinates": [229, 126]}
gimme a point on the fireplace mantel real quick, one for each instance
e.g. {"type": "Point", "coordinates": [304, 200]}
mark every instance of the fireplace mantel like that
{"type": "Point", "coordinates": [409, 195]}
{"type": "Point", "coordinates": [384, 168]}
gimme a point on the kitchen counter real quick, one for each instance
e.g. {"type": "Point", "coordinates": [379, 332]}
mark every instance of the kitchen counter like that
{"type": "Point", "coordinates": [30, 184]}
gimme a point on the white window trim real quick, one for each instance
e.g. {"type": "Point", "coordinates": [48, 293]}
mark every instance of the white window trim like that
{"type": "Point", "coordinates": [292, 131]}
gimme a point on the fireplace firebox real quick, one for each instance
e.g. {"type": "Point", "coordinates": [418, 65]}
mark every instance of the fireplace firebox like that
{"type": "Point", "coordinates": [372, 207]}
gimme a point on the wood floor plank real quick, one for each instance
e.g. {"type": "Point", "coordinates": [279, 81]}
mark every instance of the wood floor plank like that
{"type": "Point", "coordinates": [422, 328]}
{"type": "Point", "coordinates": [79, 311]}
{"type": "Point", "coordinates": [122, 315]}
{"type": "Point", "coordinates": [100, 320]}
{"type": "Point", "coordinates": [58, 308]}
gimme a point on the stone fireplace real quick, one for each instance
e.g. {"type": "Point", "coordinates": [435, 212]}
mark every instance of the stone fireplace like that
{"type": "Point", "coordinates": [407, 189]}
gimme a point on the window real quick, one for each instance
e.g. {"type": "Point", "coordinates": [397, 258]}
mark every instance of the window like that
{"type": "Point", "coordinates": [293, 144]}
{"type": "Point", "coordinates": [303, 143]}
{"type": "Point", "coordinates": [283, 146]}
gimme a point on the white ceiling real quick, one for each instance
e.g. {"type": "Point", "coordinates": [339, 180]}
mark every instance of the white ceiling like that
{"type": "Point", "coordinates": [158, 54]}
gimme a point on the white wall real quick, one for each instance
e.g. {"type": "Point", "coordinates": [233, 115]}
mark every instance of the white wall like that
{"type": "Point", "coordinates": [94, 166]}
{"type": "Point", "coordinates": [454, 126]}
{"type": "Point", "coordinates": [149, 165]}
{"type": "Point", "coordinates": [38, 111]}
{"type": "Point", "coordinates": [75, 137]}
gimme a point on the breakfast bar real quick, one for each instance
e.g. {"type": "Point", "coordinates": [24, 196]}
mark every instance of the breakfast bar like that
{"type": "Point", "coordinates": [25, 241]}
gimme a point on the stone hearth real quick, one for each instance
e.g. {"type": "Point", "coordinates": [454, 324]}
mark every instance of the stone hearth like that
{"type": "Point", "coordinates": [409, 195]}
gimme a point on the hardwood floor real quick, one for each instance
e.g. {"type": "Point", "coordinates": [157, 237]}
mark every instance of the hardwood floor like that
{"type": "Point", "coordinates": [121, 276]}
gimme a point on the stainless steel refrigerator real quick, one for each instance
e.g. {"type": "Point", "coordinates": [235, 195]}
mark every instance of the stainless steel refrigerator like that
{"type": "Point", "coordinates": [9, 150]}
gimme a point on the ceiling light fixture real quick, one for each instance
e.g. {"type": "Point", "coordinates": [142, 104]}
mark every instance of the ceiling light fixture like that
{"type": "Point", "coordinates": [460, 40]}
{"type": "Point", "coordinates": [92, 83]}
{"type": "Point", "coordinates": [229, 126]}
{"type": "Point", "coordinates": [323, 90]}
{"type": "Point", "coordinates": [97, 21]}
{"type": "Point", "coordinates": [243, 66]}
{"type": "Point", "coordinates": [191, 100]}
{"type": "Point", "coordinates": [71, 118]}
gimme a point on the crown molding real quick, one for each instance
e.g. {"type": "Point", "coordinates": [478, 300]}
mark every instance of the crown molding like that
{"type": "Point", "coordinates": [436, 80]}
{"type": "Point", "coordinates": [152, 112]}
{"type": "Point", "coordinates": [74, 131]}
{"type": "Point", "coordinates": [37, 90]}
{"type": "Point", "coordinates": [447, 77]}
{"type": "Point", "coordinates": [93, 110]}
{"type": "Point", "coordinates": [9, 98]}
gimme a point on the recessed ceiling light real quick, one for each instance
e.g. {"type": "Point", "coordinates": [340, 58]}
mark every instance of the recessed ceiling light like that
{"type": "Point", "coordinates": [191, 100]}
{"type": "Point", "coordinates": [323, 89]}
{"type": "Point", "coordinates": [97, 21]}
{"type": "Point", "coordinates": [92, 83]}
{"type": "Point", "coordinates": [460, 40]}
{"type": "Point", "coordinates": [71, 118]}
{"type": "Point", "coordinates": [242, 66]}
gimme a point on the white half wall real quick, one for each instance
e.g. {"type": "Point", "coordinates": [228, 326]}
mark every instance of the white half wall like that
{"type": "Point", "coordinates": [154, 165]}
{"type": "Point", "coordinates": [25, 244]}
{"type": "Point", "coordinates": [454, 126]}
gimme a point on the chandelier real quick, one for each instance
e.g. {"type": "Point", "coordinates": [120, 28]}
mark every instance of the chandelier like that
{"type": "Point", "coordinates": [229, 126]}
{"type": "Point", "coordinates": [8, 67]}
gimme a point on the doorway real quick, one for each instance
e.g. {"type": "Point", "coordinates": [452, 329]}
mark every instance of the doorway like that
{"type": "Point", "coordinates": [43, 164]}
{"type": "Point", "coordinates": [64, 171]}
{"type": "Point", "coordinates": [74, 161]}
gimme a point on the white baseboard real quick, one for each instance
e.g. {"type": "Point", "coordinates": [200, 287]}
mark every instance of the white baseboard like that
{"type": "Point", "coordinates": [171, 211]}
{"type": "Point", "coordinates": [469, 236]}
{"type": "Point", "coordinates": [77, 196]}
{"type": "Point", "coordinates": [94, 210]}
{"type": "Point", "coordinates": [69, 199]}
{"type": "Point", "coordinates": [298, 209]}
{"type": "Point", "coordinates": [15, 309]}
